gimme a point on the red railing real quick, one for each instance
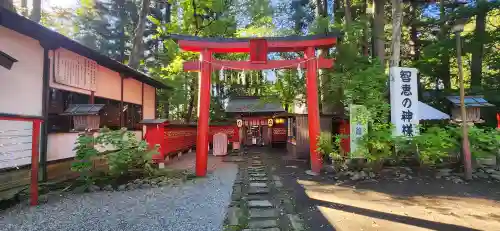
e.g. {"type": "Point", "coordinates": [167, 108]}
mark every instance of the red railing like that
{"type": "Point", "coordinates": [174, 138]}
{"type": "Point", "coordinates": [7, 134]}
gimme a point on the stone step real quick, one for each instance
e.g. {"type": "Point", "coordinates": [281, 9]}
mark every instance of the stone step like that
{"type": "Point", "coordinates": [253, 224]}
{"type": "Point", "coordinates": [258, 184]}
{"type": "Point", "coordinates": [257, 174]}
{"type": "Point", "coordinates": [258, 179]}
{"type": "Point", "coordinates": [268, 229]}
{"type": "Point", "coordinates": [296, 222]}
{"type": "Point", "coordinates": [263, 213]}
{"type": "Point", "coordinates": [259, 204]}
{"type": "Point", "coordinates": [258, 190]}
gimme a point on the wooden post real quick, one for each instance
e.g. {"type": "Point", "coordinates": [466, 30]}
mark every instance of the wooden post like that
{"type": "Point", "coordinates": [35, 137]}
{"type": "Point", "coordinates": [204, 113]}
{"type": "Point", "coordinates": [313, 109]}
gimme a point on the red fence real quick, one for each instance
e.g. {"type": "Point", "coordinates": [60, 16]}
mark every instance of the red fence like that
{"type": "Point", "coordinates": [174, 138]}
{"type": "Point", "coordinates": [11, 146]}
{"type": "Point", "coordinates": [279, 134]}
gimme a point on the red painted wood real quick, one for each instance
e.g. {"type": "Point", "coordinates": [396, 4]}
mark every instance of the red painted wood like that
{"type": "Point", "coordinates": [258, 51]}
{"type": "Point", "coordinates": [35, 141]}
{"type": "Point", "coordinates": [279, 133]}
{"type": "Point", "coordinates": [154, 136]}
{"type": "Point", "coordinates": [204, 113]}
{"type": "Point", "coordinates": [498, 120]}
{"type": "Point", "coordinates": [345, 143]}
{"type": "Point", "coordinates": [247, 65]}
{"type": "Point", "coordinates": [313, 110]}
{"type": "Point", "coordinates": [230, 130]}
{"type": "Point", "coordinates": [244, 47]}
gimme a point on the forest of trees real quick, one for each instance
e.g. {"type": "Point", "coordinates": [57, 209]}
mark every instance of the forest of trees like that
{"type": "Point", "coordinates": [136, 32]}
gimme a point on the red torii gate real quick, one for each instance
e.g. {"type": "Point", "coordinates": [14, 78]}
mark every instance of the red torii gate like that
{"type": "Point", "coordinates": [258, 49]}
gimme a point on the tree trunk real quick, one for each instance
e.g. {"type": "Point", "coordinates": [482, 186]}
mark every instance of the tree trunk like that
{"type": "Point", "coordinates": [192, 96]}
{"type": "Point", "coordinates": [478, 46]}
{"type": "Point", "coordinates": [7, 4]}
{"type": "Point", "coordinates": [137, 49]}
{"type": "Point", "coordinates": [36, 12]}
{"type": "Point", "coordinates": [24, 8]}
{"type": "Point", "coordinates": [319, 9]}
{"type": "Point", "coordinates": [415, 45]}
{"type": "Point", "coordinates": [444, 69]}
{"type": "Point", "coordinates": [378, 30]}
{"type": "Point", "coordinates": [365, 29]}
{"type": "Point", "coordinates": [123, 18]}
{"type": "Point", "coordinates": [348, 14]}
{"type": "Point", "coordinates": [397, 12]}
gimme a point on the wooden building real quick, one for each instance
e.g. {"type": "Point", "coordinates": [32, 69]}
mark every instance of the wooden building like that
{"type": "Point", "coordinates": [42, 73]}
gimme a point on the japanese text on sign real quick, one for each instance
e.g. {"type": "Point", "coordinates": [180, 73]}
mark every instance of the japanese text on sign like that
{"type": "Point", "coordinates": [404, 100]}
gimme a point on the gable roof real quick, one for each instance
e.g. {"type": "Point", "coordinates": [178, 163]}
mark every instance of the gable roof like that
{"type": "Point", "coordinates": [252, 104]}
{"type": "Point", "coordinates": [47, 36]}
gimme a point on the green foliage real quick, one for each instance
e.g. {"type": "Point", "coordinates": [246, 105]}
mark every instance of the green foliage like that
{"type": "Point", "coordinates": [358, 79]}
{"type": "Point", "coordinates": [122, 150]}
{"type": "Point", "coordinates": [332, 150]}
{"type": "Point", "coordinates": [85, 152]}
{"type": "Point", "coordinates": [128, 152]}
{"type": "Point", "coordinates": [377, 144]}
{"type": "Point", "coordinates": [434, 145]}
{"type": "Point", "coordinates": [483, 141]}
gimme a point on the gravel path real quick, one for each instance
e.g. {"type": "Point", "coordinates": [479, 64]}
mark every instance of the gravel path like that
{"type": "Point", "coordinates": [192, 206]}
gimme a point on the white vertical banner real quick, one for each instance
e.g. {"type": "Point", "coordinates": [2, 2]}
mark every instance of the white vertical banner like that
{"type": "Point", "coordinates": [358, 117]}
{"type": "Point", "coordinates": [404, 100]}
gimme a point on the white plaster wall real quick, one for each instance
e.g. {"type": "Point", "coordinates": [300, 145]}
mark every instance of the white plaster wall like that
{"type": "Point", "coordinates": [60, 145]}
{"type": "Point", "coordinates": [132, 91]}
{"type": "Point", "coordinates": [21, 87]}
{"type": "Point", "coordinates": [109, 84]}
{"type": "Point", "coordinates": [149, 102]}
{"type": "Point", "coordinates": [15, 143]}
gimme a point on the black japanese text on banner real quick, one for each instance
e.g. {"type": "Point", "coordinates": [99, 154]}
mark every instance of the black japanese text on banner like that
{"type": "Point", "coordinates": [404, 100]}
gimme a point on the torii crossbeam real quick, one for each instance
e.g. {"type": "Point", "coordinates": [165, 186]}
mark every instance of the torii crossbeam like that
{"type": "Point", "coordinates": [258, 49]}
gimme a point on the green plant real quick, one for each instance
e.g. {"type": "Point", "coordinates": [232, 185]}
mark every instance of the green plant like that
{"type": "Point", "coordinates": [483, 142]}
{"type": "Point", "coordinates": [120, 147]}
{"type": "Point", "coordinates": [434, 144]}
{"type": "Point", "coordinates": [377, 144]}
{"type": "Point", "coordinates": [128, 152]}
{"type": "Point", "coordinates": [85, 151]}
{"type": "Point", "coordinates": [331, 148]}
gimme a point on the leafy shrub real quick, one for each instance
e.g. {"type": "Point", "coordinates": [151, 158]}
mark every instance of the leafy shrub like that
{"type": "Point", "coordinates": [435, 144]}
{"type": "Point", "coordinates": [332, 149]}
{"type": "Point", "coordinates": [121, 148]}
{"type": "Point", "coordinates": [483, 142]}
{"type": "Point", "coordinates": [377, 144]}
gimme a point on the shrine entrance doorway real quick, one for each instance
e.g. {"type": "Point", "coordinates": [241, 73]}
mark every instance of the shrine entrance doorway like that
{"type": "Point", "coordinates": [258, 48]}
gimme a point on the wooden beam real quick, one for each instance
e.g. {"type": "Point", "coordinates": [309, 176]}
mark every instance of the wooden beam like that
{"type": "Point", "coordinates": [247, 65]}
{"type": "Point", "coordinates": [244, 46]}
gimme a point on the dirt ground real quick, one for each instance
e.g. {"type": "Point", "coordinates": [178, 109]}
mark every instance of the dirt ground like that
{"type": "Point", "coordinates": [421, 203]}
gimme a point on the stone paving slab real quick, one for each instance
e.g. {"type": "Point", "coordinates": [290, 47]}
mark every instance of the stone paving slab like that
{"type": "Point", "coordinates": [260, 204]}
{"type": "Point", "coordinates": [269, 229]}
{"type": "Point", "coordinates": [296, 222]}
{"type": "Point", "coordinates": [257, 174]}
{"type": "Point", "coordinates": [263, 213]}
{"type": "Point", "coordinates": [258, 184]}
{"type": "Point", "coordinates": [262, 223]}
{"type": "Point", "coordinates": [258, 190]}
{"type": "Point", "coordinates": [258, 179]}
